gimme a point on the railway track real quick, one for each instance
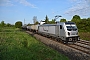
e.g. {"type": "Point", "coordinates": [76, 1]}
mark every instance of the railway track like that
{"type": "Point", "coordinates": [82, 45]}
{"type": "Point", "coordinates": [84, 42]}
{"type": "Point", "coordinates": [84, 49]}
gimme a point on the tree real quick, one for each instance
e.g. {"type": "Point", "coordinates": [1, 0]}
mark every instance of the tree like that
{"type": "Point", "coordinates": [18, 24]}
{"type": "Point", "coordinates": [63, 20]}
{"type": "Point", "coordinates": [28, 24]}
{"type": "Point", "coordinates": [8, 25]}
{"type": "Point", "coordinates": [52, 22]}
{"type": "Point", "coordinates": [76, 18]}
{"type": "Point", "coordinates": [2, 24]}
{"type": "Point", "coordinates": [88, 19]}
{"type": "Point", "coordinates": [37, 22]}
{"type": "Point", "coordinates": [84, 25]}
{"type": "Point", "coordinates": [46, 20]}
{"type": "Point", "coordinates": [88, 24]}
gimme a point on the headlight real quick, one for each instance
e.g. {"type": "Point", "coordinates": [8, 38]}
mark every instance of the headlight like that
{"type": "Point", "coordinates": [78, 38]}
{"type": "Point", "coordinates": [77, 33]}
{"type": "Point", "coordinates": [68, 33]}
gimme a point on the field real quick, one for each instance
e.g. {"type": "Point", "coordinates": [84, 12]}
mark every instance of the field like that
{"type": "Point", "coordinates": [15, 44]}
{"type": "Point", "coordinates": [85, 35]}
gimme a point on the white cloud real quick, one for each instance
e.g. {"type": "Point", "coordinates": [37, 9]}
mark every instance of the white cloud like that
{"type": "Point", "coordinates": [5, 3]}
{"type": "Point", "coordinates": [26, 3]}
{"type": "Point", "coordinates": [72, 0]}
{"type": "Point", "coordinates": [11, 3]}
{"type": "Point", "coordinates": [53, 12]}
{"type": "Point", "coordinates": [81, 7]}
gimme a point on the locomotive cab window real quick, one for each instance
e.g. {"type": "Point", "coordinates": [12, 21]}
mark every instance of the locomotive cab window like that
{"type": "Point", "coordinates": [60, 26]}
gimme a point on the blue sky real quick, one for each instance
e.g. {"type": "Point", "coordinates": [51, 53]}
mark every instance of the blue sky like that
{"type": "Point", "coordinates": [12, 11]}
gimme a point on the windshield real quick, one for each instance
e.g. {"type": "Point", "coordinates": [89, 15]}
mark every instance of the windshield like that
{"type": "Point", "coordinates": [71, 28]}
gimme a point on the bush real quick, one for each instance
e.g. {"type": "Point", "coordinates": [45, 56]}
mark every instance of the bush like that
{"type": "Point", "coordinates": [18, 24]}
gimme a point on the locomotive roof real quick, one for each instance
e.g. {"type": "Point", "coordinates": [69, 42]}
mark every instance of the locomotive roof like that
{"type": "Point", "coordinates": [69, 23]}
{"type": "Point", "coordinates": [60, 23]}
{"type": "Point", "coordinates": [66, 23]}
{"type": "Point", "coordinates": [48, 25]}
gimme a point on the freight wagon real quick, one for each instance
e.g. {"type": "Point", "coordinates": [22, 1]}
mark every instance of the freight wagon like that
{"type": "Point", "coordinates": [33, 28]}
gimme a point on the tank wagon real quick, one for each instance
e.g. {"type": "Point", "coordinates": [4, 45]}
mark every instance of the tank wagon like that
{"type": "Point", "coordinates": [65, 31]}
{"type": "Point", "coordinates": [33, 28]}
{"type": "Point", "coordinates": [28, 27]}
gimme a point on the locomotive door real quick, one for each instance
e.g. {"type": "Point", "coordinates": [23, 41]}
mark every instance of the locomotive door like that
{"type": "Point", "coordinates": [61, 32]}
{"type": "Point", "coordinates": [57, 30]}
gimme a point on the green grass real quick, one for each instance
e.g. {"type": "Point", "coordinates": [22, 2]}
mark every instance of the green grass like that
{"type": "Point", "coordinates": [18, 45]}
{"type": "Point", "coordinates": [85, 35]}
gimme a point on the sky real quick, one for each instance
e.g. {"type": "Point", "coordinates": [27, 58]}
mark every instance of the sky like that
{"type": "Point", "coordinates": [12, 11]}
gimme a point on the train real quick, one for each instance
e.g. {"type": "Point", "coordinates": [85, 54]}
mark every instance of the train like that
{"type": "Point", "coordinates": [61, 31]}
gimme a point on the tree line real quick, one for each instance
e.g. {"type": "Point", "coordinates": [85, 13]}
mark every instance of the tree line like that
{"type": "Point", "coordinates": [82, 24]}
{"type": "Point", "coordinates": [18, 24]}
{"type": "Point", "coordinates": [3, 24]}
